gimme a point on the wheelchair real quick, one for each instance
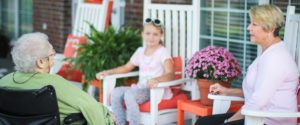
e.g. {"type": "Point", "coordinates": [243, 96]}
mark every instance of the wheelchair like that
{"type": "Point", "coordinates": [33, 107]}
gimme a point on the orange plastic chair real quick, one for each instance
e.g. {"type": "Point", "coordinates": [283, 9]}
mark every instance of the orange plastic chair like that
{"type": "Point", "coordinates": [195, 107]}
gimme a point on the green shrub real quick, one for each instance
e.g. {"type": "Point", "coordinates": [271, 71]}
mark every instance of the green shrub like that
{"type": "Point", "coordinates": [105, 50]}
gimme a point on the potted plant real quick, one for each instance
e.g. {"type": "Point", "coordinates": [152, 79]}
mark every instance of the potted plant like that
{"type": "Point", "coordinates": [105, 50]}
{"type": "Point", "coordinates": [213, 64]}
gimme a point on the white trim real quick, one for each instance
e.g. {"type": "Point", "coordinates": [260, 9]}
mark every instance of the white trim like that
{"type": "Point", "coordinates": [270, 114]}
{"type": "Point", "coordinates": [245, 39]}
{"type": "Point", "coordinates": [212, 22]}
{"type": "Point", "coordinates": [74, 5]}
{"type": "Point", "coordinates": [227, 25]}
{"type": "Point", "coordinates": [263, 2]}
{"type": "Point", "coordinates": [16, 17]}
{"type": "Point", "coordinates": [118, 14]}
{"type": "Point", "coordinates": [1, 13]}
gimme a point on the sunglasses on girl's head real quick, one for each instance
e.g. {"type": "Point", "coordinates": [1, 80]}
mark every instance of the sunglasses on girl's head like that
{"type": "Point", "coordinates": [154, 21]}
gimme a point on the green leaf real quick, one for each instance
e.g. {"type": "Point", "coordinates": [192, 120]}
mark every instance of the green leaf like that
{"type": "Point", "coordinates": [105, 50]}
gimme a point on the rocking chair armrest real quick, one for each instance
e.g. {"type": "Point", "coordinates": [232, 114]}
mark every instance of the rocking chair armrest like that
{"type": "Point", "coordinates": [254, 117]}
{"type": "Point", "coordinates": [123, 75]}
{"type": "Point", "coordinates": [58, 63]}
{"type": "Point", "coordinates": [109, 83]}
{"type": "Point", "coordinates": [173, 83]}
{"type": "Point", "coordinates": [222, 103]}
{"type": "Point", "coordinates": [222, 97]}
{"type": "Point", "coordinates": [156, 93]}
{"type": "Point", "coordinates": [269, 114]}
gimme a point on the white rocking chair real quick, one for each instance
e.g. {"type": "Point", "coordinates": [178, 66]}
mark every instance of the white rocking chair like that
{"type": "Point", "coordinates": [181, 24]}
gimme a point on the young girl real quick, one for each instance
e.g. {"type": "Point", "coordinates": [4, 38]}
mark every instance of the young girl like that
{"type": "Point", "coordinates": [155, 66]}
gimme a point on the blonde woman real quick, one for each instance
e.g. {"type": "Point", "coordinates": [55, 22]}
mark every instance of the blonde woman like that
{"type": "Point", "coordinates": [271, 80]}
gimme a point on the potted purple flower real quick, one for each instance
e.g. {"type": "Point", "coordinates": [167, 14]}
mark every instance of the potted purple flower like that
{"type": "Point", "coordinates": [210, 65]}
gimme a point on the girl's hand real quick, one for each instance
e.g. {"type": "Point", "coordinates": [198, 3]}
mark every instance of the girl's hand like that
{"type": "Point", "coordinates": [152, 83]}
{"type": "Point", "coordinates": [102, 74]}
{"type": "Point", "coordinates": [218, 89]}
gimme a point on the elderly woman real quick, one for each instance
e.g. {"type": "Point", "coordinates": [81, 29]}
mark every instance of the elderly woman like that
{"type": "Point", "coordinates": [271, 80]}
{"type": "Point", "coordinates": [33, 58]}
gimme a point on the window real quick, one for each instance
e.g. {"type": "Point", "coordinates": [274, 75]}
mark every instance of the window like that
{"type": "Point", "coordinates": [283, 6]}
{"type": "Point", "coordinates": [25, 16]}
{"type": "Point", "coordinates": [7, 17]}
{"type": "Point", "coordinates": [284, 3]}
{"type": "Point", "coordinates": [15, 17]}
{"type": "Point", "coordinates": [224, 23]}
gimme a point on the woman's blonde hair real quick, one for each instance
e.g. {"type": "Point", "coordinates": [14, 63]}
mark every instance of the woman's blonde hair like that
{"type": "Point", "coordinates": [269, 16]}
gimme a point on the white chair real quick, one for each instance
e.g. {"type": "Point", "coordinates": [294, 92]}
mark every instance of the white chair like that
{"type": "Point", "coordinates": [90, 13]}
{"type": "Point", "coordinates": [181, 24]}
{"type": "Point", "coordinates": [86, 13]}
{"type": "Point", "coordinates": [292, 40]}
{"type": "Point", "coordinates": [221, 104]}
{"type": "Point", "coordinates": [292, 32]}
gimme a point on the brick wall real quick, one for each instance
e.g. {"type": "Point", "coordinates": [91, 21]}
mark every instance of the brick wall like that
{"type": "Point", "coordinates": [134, 10]}
{"type": "Point", "coordinates": [53, 17]}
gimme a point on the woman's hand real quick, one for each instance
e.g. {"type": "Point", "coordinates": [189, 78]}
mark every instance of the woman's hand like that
{"type": "Point", "coordinates": [102, 74]}
{"type": "Point", "coordinates": [152, 83]}
{"type": "Point", "coordinates": [218, 89]}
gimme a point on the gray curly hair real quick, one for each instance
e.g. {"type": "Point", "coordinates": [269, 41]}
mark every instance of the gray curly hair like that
{"type": "Point", "coordinates": [28, 49]}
